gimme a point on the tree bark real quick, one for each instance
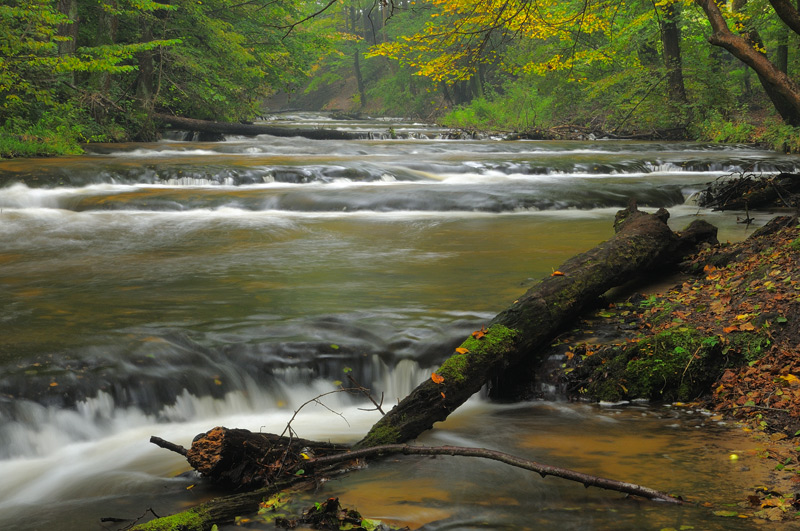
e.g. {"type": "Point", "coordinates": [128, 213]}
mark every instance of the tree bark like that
{"type": "Point", "coordinates": [788, 13]}
{"type": "Point", "coordinates": [643, 242]}
{"type": "Point", "coordinates": [671, 41]}
{"type": "Point", "coordinates": [781, 89]}
{"type": "Point", "coordinates": [225, 128]}
{"type": "Point", "coordinates": [245, 460]}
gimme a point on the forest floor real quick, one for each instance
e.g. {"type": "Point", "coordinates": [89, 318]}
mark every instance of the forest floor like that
{"type": "Point", "coordinates": [732, 325]}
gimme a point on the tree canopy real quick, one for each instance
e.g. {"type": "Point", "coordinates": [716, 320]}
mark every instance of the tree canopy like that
{"type": "Point", "coordinates": [96, 69]}
{"type": "Point", "coordinates": [102, 62]}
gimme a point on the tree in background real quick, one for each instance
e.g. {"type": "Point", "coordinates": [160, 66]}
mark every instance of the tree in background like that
{"type": "Point", "coordinates": [613, 63]}
{"type": "Point", "coordinates": [745, 42]}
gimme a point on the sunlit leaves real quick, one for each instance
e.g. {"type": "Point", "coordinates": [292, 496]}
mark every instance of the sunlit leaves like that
{"type": "Point", "coordinates": [463, 34]}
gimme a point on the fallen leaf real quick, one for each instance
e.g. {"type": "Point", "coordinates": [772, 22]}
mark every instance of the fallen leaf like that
{"type": "Point", "coordinates": [462, 350]}
{"type": "Point", "coordinates": [791, 379]}
{"type": "Point", "coordinates": [436, 378]}
{"type": "Point", "coordinates": [557, 274]}
{"type": "Point", "coordinates": [477, 334]}
{"type": "Point", "coordinates": [442, 395]}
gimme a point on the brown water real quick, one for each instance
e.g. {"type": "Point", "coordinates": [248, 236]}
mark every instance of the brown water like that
{"type": "Point", "coordinates": [163, 289]}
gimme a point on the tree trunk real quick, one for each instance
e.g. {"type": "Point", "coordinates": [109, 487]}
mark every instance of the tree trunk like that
{"type": "Point", "coordinates": [245, 460]}
{"type": "Point", "coordinates": [225, 128]}
{"type": "Point", "coordinates": [671, 41]}
{"type": "Point", "coordinates": [362, 93]}
{"type": "Point", "coordinates": [70, 9]}
{"type": "Point", "coordinates": [70, 29]}
{"type": "Point", "coordinates": [642, 243]}
{"type": "Point", "coordinates": [782, 90]}
{"type": "Point", "coordinates": [788, 13]}
{"type": "Point", "coordinates": [144, 81]}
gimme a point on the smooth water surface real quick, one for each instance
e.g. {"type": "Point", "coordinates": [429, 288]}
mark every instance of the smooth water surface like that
{"type": "Point", "coordinates": [166, 288]}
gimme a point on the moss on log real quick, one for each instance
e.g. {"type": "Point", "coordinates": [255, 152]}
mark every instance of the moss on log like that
{"type": "Point", "coordinates": [216, 511]}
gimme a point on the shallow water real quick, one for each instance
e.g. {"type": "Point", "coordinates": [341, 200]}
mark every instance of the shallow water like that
{"type": "Point", "coordinates": [165, 288]}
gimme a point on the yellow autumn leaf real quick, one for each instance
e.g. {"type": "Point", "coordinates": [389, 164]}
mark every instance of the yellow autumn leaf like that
{"type": "Point", "coordinates": [791, 379]}
{"type": "Point", "coordinates": [462, 350]}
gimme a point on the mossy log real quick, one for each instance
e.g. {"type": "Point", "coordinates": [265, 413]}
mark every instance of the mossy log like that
{"type": "Point", "coordinates": [227, 128]}
{"type": "Point", "coordinates": [246, 460]}
{"type": "Point", "coordinates": [219, 510]}
{"type": "Point", "coordinates": [642, 243]}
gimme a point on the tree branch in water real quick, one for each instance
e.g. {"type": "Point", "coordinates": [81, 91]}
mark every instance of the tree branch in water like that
{"type": "Point", "coordinates": [494, 455]}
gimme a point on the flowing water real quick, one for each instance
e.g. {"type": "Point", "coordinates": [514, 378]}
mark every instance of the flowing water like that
{"type": "Point", "coordinates": [166, 288]}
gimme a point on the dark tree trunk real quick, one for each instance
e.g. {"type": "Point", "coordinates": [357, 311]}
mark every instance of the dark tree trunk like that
{"type": "Point", "coordinates": [70, 9]}
{"type": "Point", "coordinates": [144, 82]}
{"type": "Point", "coordinates": [643, 242]}
{"type": "Point", "coordinates": [671, 41]}
{"type": "Point", "coordinates": [225, 128]}
{"type": "Point", "coordinates": [245, 460]}
{"type": "Point", "coordinates": [359, 78]}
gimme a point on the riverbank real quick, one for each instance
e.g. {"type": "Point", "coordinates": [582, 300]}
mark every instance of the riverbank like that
{"type": "Point", "coordinates": [724, 339]}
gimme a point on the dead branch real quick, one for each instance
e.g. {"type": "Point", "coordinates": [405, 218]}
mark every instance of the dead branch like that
{"type": "Point", "coordinates": [542, 469]}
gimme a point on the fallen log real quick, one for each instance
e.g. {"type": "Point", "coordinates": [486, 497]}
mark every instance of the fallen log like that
{"type": "Point", "coordinates": [642, 243]}
{"type": "Point", "coordinates": [227, 128]}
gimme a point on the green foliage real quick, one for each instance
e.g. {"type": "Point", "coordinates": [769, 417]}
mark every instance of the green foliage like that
{"type": "Point", "coordinates": [677, 364]}
{"type": "Point", "coordinates": [780, 137]}
{"type": "Point", "coordinates": [715, 128]}
{"type": "Point", "coordinates": [120, 60]}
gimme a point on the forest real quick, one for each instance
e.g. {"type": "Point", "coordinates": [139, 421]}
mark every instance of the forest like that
{"type": "Point", "coordinates": [96, 71]}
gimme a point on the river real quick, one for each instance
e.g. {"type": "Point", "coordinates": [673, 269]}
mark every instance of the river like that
{"type": "Point", "coordinates": [167, 288]}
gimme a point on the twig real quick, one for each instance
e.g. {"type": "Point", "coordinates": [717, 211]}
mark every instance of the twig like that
{"type": "Point", "coordinates": [177, 448]}
{"type": "Point", "coordinates": [542, 469]}
{"type": "Point", "coordinates": [366, 392]}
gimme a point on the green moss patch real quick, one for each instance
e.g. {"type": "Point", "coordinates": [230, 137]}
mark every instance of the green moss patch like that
{"type": "Point", "coordinates": [678, 364]}
{"type": "Point", "coordinates": [191, 520]}
{"type": "Point", "coordinates": [483, 349]}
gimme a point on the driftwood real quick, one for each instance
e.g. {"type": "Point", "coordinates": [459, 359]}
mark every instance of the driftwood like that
{"type": "Point", "coordinates": [643, 243]}
{"type": "Point", "coordinates": [542, 469]}
{"type": "Point", "coordinates": [749, 191]}
{"type": "Point", "coordinates": [245, 460]}
{"type": "Point", "coordinates": [227, 128]}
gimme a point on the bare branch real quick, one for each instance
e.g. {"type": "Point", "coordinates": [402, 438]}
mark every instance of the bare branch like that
{"type": "Point", "coordinates": [542, 469]}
